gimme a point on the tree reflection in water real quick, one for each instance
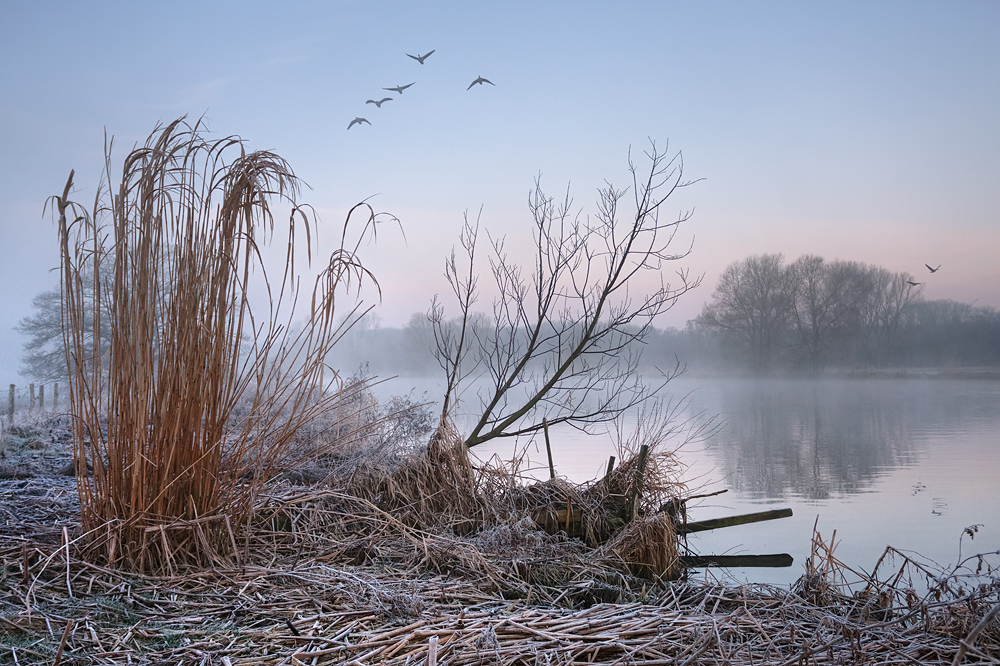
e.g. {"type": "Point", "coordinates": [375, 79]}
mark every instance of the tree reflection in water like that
{"type": "Point", "coordinates": [819, 439]}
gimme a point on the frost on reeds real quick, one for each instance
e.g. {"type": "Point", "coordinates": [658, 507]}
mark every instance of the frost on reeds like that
{"type": "Point", "coordinates": [328, 577]}
{"type": "Point", "coordinates": [172, 247]}
{"type": "Point", "coordinates": [430, 485]}
{"type": "Point", "coordinates": [439, 489]}
{"type": "Point", "coordinates": [647, 547]}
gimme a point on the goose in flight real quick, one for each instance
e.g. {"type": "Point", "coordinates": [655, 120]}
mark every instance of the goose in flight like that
{"type": "Point", "coordinates": [358, 121]}
{"type": "Point", "coordinates": [933, 270]}
{"type": "Point", "coordinates": [480, 80]}
{"type": "Point", "coordinates": [379, 102]}
{"type": "Point", "coordinates": [913, 284]}
{"type": "Point", "coordinates": [421, 58]}
{"type": "Point", "coordinates": [400, 89]}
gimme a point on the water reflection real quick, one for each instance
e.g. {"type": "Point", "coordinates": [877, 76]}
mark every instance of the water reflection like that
{"type": "Point", "coordinates": [830, 438]}
{"type": "Point", "coordinates": [905, 463]}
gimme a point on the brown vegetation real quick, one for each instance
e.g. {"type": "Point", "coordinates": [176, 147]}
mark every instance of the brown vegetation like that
{"type": "Point", "coordinates": [200, 395]}
{"type": "Point", "coordinates": [327, 577]}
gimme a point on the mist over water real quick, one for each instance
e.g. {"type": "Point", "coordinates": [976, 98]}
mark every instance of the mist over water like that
{"type": "Point", "coordinates": [902, 462]}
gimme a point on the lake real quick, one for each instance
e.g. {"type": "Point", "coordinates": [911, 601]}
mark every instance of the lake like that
{"type": "Point", "coordinates": [902, 462]}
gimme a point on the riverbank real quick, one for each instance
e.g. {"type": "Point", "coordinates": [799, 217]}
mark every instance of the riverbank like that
{"type": "Point", "coordinates": [381, 593]}
{"type": "Point", "coordinates": [323, 576]}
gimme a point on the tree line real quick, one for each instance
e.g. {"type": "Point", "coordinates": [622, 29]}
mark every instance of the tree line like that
{"type": "Point", "coordinates": [765, 315]}
{"type": "Point", "coordinates": [814, 314]}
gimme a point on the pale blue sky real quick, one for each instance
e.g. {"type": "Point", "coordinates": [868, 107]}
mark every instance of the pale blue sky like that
{"type": "Point", "coordinates": [852, 130]}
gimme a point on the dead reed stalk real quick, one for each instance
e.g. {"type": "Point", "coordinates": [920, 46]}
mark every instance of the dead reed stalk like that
{"type": "Point", "coordinates": [172, 251]}
{"type": "Point", "coordinates": [435, 485]}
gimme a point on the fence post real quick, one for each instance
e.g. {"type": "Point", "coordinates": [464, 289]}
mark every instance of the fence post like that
{"type": "Point", "coordinates": [41, 397]}
{"type": "Point", "coordinates": [640, 472]}
{"type": "Point", "coordinates": [10, 406]}
{"type": "Point", "coordinates": [31, 399]}
{"type": "Point", "coordinates": [55, 397]}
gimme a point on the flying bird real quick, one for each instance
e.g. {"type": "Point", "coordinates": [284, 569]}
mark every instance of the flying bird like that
{"type": "Point", "coordinates": [358, 121]}
{"type": "Point", "coordinates": [914, 284]}
{"type": "Point", "coordinates": [480, 80]}
{"type": "Point", "coordinates": [379, 102]}
{"type": "Point", "coordinates": [420, 58]}
{"type": "Point", "coordinates": [400, 89]}
{"type": "Point", "coordinates": [933, 270]}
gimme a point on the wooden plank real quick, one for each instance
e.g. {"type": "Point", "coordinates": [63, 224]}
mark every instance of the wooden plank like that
{"type": "Point", "coordinates": [557, 520]}
{"type": "Point", "coordinates": [730, 521]}
{"type": "Point", "coordinates": [778, 560]}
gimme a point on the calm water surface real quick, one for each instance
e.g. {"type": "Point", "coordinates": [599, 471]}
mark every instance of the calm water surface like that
{"type": "Point", "coordinates": [907, 463]}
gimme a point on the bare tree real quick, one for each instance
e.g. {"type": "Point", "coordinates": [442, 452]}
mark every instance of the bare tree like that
{"type": "Point", "coordinates": [886, 297]}
{"type": "Point", "coordinates": [44, 357]}
{"type": "Point", "coordinates": [823, 306]}
{"type": "Point", "coordinates": [752, 304]}
{"type": "Point", "coordinates": [564, 338]}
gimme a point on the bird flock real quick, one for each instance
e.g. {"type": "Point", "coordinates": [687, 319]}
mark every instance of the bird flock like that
{"type": "Point", "coordinates": [359, 120]}
{"type": "Point", "coordinates": [930, 268]}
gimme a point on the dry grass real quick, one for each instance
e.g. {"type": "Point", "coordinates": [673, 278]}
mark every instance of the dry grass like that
{"type": "Point", "coordinates": [429, 486]}
{"type": "Point", "coordinates": [329, 578]}
{"type": "Point", "coordinates": [173, 249]}
{"type": "Point", "coordinates": [648, 547]}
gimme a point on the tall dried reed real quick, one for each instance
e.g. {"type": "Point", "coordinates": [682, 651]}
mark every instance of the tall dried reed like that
{"type": "Point", "coordinates": [172, 253]}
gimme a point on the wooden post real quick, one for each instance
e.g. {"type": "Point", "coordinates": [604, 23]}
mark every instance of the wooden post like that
{"type": "Point", "coordinates": [432, 651]}
{"type": "Point", "coordinates": [10, 406]}
{"type": "Point", "coordinates": [611, 467]}
{"type": "Point", "coordinates": [55, 397]}
{"type": "Point", "coordinates": [640, 471]}
{"type": "Point", "coordinates": [41, 397]}
{"type": "Point", "coordinates": [548, 448]}
{"type": "Point", "coordinates": [31, 400]}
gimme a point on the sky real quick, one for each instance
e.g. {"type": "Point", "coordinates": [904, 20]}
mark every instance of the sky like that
{"type": "Point", "coordinates": [851, 130]}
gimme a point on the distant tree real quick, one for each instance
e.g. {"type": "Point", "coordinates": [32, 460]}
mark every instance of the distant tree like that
{"type": "Point", "coordinates": [415, 346]}
{"type": "Point", "coordinates": [885, 297]}
{"type": "Point", "coordinates": [946, 333]}
{"type": "Point", "coordinates": [44, 355]}
{"type": "Point", "coordinates": [752, 305]}
{"type": "Point", "coordinates": [564, 338]}
{"type": "Point", "coordinates": [824, 302]}
{"type": "Point", "coordinates": [817, 313]}
{"type": "Point", "coordinates": [44, 359]}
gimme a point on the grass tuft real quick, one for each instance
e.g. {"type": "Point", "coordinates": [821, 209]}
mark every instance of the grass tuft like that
{"type": "Point", "coordinates": [171, 249]}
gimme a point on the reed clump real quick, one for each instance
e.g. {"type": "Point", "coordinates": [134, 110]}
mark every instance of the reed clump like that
{"type": "Point", "coordinates": [428, 485]}
{"type": "Point", "coordinates": [169, 253]}
{"type": "Point", "coordinates": [647, 547]}
{"type": "Point", "coordinates": [620, 519]}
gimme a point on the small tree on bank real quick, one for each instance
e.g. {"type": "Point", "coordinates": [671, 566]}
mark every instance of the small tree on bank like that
{"type": "Point", "coordinates": [563, 342]}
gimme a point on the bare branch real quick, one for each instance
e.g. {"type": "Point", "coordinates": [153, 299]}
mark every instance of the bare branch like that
{"type": "Point", "coordinates": [564, 343]}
